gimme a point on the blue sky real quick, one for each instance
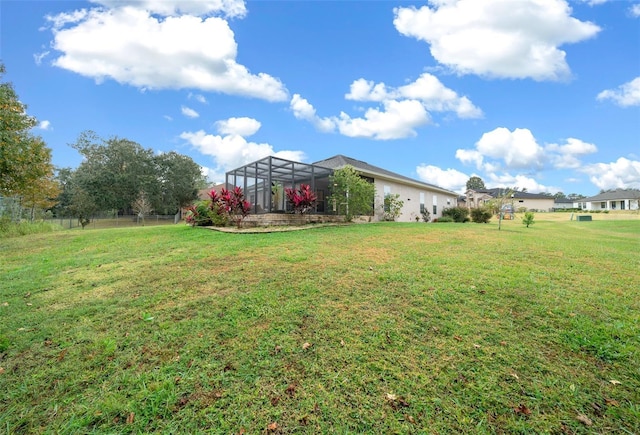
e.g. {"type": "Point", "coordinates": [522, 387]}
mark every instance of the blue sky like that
{"type": "Point", "coordinates": [538, 94]}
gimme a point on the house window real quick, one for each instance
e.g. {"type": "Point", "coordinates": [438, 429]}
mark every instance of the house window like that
{"type": "Point", "coordinates": [435, 205]}
{"type": "Point", "coordinates": [421, 202]}
{"type": "Point", "coordinates": [621, 205]}
{"type": "Point", "coordinates": [435, 210]}
{"type": "Point", "coordinates": [387, 192]}
{"type": "Point", "coordinates": [603, 205]}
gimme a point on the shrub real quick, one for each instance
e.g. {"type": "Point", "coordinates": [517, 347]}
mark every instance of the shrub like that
{"type": "Point", "coordinates": [481, 215]}
{"type": "Point", "coordinates": [528, 218]}
{"type": "Point", "coordinates": [302, 199]}
{"type": "Point", "coordinates": [230, 204]}
{"type": "Point", "coordinates": [426, 216]}
{"type": "Point", "coordinates": [444, 219]}
{"type": "Point", "coordinates": [457, 214]}
{"type": "Point", "coordinates": [391, 207]}
{"type": "Point", "coordinates": [198, 214]}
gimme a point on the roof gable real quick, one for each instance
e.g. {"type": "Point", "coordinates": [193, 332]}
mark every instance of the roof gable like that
{"type": "Point", "coordinates": [340, 160]}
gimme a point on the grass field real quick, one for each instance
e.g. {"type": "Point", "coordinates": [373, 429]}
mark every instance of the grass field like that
{"type": "Point", "coordinates": [375, 328]}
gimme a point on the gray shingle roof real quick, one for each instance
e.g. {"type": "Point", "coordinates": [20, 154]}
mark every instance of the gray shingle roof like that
{"type": "Point", "coordinates": [364, 167]}
{"type": "Point", "coordinates": [615, 194]}
{"type": "Point", "coordinates": [498, 191]}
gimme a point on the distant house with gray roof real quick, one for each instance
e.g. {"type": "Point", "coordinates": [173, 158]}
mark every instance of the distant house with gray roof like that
{"type": "Point", "coordinates": [519, 200]}
{"type": "Point", "coordinates": [619, 199]}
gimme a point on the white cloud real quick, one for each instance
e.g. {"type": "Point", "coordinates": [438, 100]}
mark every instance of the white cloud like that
{"type": "Point", "coordinates": [168, 118]}
{"type": "Point", "coordinates": [427, 89]}
{"type": "Point", "coordinates": [451, 179]}
{"type": "Point", "coordinates": [229, 8]}
{"type": "Point", "coordinates": [45, 125]}
{"type": "Point", "coordinates": [623, 173]}
{"type": "Point", "coordinates": [625, 95]}
{"type": "Point", "coordinates": [214, 176]}
{"type": "Point", "coordinates": [497, 38]}
{"type": "Point", "coordinates": [399, 112]}
{"type": "Point", "coordinates": [518, 149]}
{"type": "Point", "coordinates": [231, 150]}
{"type": "Point", "coordinates": [241, 126]}
{"type": "Point", "coordinates": [634, 10]}
{"type": "Point", "coordinates": [198, 97]}
{"type": "Point", "coordinates": [470, 157]}
{"type": "Point", "coordinates": [567, 155]}
{"type": "Point", "coordinates": [302, 109]}
{"type": "Point", "coordinates": [132, 46]}
{"type": "Point", "coordinates": [399, 119]}
{"type": "Point", "coordinates": [189, 112]}
{"type": "Point", "coordinates": [39, 56]}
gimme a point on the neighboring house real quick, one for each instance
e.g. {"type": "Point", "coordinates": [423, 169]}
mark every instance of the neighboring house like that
{"type": "Point", "coordinates": [264, 182]}
{"type": "Point", "coordinates": [619, 199]}
{"type": "Point", "coordinates": [519, 200]}
{"type": "Point", "coordinates": [564, 204]}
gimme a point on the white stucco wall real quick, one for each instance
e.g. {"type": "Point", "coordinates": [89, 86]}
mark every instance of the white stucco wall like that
{"type": "Point", "coordinates": [410, 195]}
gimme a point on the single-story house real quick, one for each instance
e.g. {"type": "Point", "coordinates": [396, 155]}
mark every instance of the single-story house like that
{"type": "Point", "coordinates": [518, 199]}
{"type": "Point", "coordinates": [264, 182]}
{"type": "Point", "coordinates": [564, 204]}
{"type": "Point", "coordinates": [619, 199]}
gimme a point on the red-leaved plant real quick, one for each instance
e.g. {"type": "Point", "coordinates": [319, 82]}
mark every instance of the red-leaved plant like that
{"type": "Point", "coordinates": [232, 203]}
{"type": "Point", "coordinates": [302, 199]}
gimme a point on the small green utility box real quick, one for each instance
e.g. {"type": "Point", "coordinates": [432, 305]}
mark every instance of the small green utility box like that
{"type": "Point", "coordinates": [584, 218]}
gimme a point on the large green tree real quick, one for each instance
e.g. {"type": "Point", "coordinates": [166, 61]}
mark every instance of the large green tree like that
{"type": "Point", "coordinates": [24, 158]}
{"type": "Point", "coordinates": [351, 194]}
{"type": "Point", "coordinates": [475, 183]}
{"type": "Point", "coordinates": [179, 178]}
{"type": "Point", "coordinates": [116, 171]}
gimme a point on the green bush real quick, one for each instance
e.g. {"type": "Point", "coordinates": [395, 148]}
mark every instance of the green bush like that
{"type": "Point", "coordinates": [444, 219]}
{"type": "Point", "coordinates": [457, 214]}
{"type": "Point", "coordinates": [481, 215]}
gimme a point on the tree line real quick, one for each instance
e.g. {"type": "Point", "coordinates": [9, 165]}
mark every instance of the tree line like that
{"type": "Point", "coordinates": [116, 174]}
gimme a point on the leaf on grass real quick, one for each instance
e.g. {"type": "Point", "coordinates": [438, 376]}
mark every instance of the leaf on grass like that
{"type": "Point", "coordinates": [614, 382]}
{"type": "Point", "coordinates": [515, 376]}
{"type": "Point", "coordinates": [457, 337]}
{"type": "Point", "coordinates": [273, 427]}
{"type": "Point", "coordinates": [503, 343]}
{"type": "Point", "coordinates": [27, 295]}
{"type": "Point", "coordinates": [306, 345]}
{"type": "Point", "coordinates": [1, 370]}
{"type": "Point", "coordinates": [278, 349]}
{"type": "Point", "coordinates": [477, 346]}
{"type": "Point", "coordinates": [291, 390]}
{"type": "Point", "coordinates": [130, 418]}
{"type": "Point", "coordinates": [610, 402]}
{"type": "Point", "coordinates": [522, 409]}
{"type": "Point", "coordinates": [396, 401]}
{"type": "Point", "coordinates": [584, 419]}
{"type": "Point", "coordinates": [410, 419]}
{"type": "Point", "coordinates": [5, 304]}
{"type": "Point", "coordinates": [275, 400]}
{"type": "Point", "coordinates": [62, 354]}
{"type": "Point", "coordinates": [29, 304]}
{"type": "Point", "coordinates": [341, 342]}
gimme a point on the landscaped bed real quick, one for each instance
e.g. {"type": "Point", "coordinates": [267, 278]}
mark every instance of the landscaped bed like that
{"type": "Point", "coordinates": [376, 328]}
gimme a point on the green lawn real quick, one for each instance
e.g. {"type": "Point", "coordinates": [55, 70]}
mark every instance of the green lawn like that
{"type": "Point", "coordinates": [375, 328]}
